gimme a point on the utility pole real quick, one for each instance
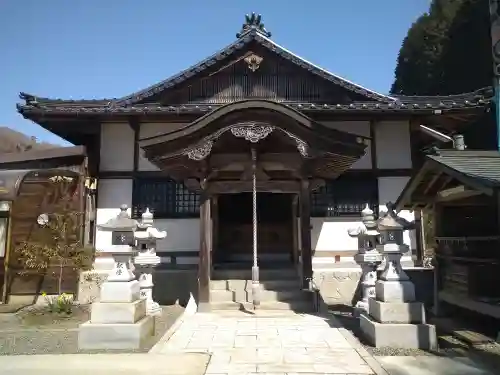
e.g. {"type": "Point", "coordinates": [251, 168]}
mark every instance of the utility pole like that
{"type": "Point", "coordinates": [495, 48]}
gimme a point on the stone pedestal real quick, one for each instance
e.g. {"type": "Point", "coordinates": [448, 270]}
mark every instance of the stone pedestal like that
{"type": "Point", "coordinates": [367, 257]}
{"type": "Point", "coordinates": [395, 318]}
{"type": "Point", "coordinates": [118, 320]}
{"type": "Point", "coordinates": [144, 266]}
{"type": "Point", "coordinates": [146, 236]}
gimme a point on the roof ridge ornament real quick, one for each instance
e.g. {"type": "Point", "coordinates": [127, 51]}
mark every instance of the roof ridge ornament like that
{"type": "Point", "coordinates": [253, 22]}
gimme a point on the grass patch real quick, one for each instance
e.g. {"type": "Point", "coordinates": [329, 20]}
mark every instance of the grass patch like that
{"type": "Point", "coordinates": [40, 317]}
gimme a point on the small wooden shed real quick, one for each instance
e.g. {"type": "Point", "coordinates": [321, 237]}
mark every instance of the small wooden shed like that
{"type": "Point", "coordinates": [25, 196]}
{"type": "Point", "coordinates": [461, 189]}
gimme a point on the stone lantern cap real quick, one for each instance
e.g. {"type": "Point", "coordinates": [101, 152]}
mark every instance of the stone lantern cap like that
{"type": "Point", "coordinates": [368, 218]}
{"type": "Point", "coordinates": [146, 219]}
{"type": "Point", "coordinates": [121, 223]}
{"type": "Point", "coordinates": [392, 222]}
{"type": "Point", "coordinates": [150, 233]}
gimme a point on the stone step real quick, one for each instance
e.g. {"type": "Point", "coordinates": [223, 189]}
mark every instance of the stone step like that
{"type": "Point", "coordinates": [296, 306]}
{"type": "Point", "coordinates": [221, 295]}
{"type": "Point", "coordinates": [234, 285]}
{"type": "Point", "coordinates": [264, 295]}
{"type": "Point", "coordinates": [265, 275]}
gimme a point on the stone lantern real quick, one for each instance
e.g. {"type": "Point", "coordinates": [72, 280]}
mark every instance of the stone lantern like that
{"type": "Point", "coordinates": [395, 318]}
{"type": "Point", "coordinates": [393, 283]}
{"type": "Point", "coordinates": [367, 257]}
{"type": "Point", "coordinates": [146, 236]}
{"type": "Point", "coordinates": [118, 320]}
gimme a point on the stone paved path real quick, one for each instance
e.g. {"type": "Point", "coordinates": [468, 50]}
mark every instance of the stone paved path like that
{"type": "Point", "coordinates": [267, 343]}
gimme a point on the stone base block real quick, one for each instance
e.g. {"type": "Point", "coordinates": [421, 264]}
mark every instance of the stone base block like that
{"type": "Point", "coordinates": [115, 336]}
{"type": "Point", "coordinates": [153, 308]}
{"type": "Point", "coordinates": [396, 312]}
{"type": "Point", "coordinates": [395, 291]}
{"type": "Point", "coordinates": [120, 291]}
{"type": "Point", "coordinates": [407, 336]}
{"type": "Point", "coordinates": [118, 312]}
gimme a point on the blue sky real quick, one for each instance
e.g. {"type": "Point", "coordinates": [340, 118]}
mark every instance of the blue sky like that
{"type": "Point", "coordinates": [110, 48]}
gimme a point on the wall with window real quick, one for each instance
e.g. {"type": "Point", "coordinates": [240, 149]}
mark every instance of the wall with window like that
{"type": "Point", "coordinates": [335, 207]}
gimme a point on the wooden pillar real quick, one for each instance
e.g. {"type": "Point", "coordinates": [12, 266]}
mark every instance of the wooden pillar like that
{"type": "Point", "coordinates": [305, 232]}
{"type": "Point", "coordinates": [204, 261]}
{"type": "Point", "coordinates": [214, 211]}
{"type": "Point", "coordinates": [419, 238]}
{"type": "Point", "coordinates": [295, 230]}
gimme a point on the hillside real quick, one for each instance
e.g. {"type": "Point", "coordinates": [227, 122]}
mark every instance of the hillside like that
{"type": "Point", "coordinates": [14, 141]}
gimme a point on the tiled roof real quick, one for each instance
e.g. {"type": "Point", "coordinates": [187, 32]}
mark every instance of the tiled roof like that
{"type": "Point", "coordinates": [404, 104]}
{"type": "Point", "coordinates": [374, 101]}
{"type": "Point", "coordinates": [483, 166]}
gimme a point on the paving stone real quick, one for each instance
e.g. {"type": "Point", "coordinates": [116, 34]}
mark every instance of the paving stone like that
{"type": "Point", "coordinates": [267, 344]}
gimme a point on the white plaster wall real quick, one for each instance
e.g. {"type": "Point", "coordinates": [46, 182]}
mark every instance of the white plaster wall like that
{"type": "Point", "coordinates": [112, 193]}
{"type": "Point", "coordinates": [151, 130]}
{"type": "Point", "coordinates": [117, 147]}
{"type": "Point", "coordinates": [182, 234]}
{"type": "Point", "coordinates": [330, 233]}
{"type": "Point", "coordinates": [389, 189]}
{"type": "Point", "coordinates": [393, 144]}
{"type": "Point", "coordinates": [359, 128]}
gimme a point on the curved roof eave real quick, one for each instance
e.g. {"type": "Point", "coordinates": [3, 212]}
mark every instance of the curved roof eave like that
{"type": "Point", "coordinates": [221, 112]}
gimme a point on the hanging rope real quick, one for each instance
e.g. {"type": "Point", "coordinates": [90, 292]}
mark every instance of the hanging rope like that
{"type": "Point", "coordinates": [255, 267]}
{"type": "Point", "coordinates": [254, 206]}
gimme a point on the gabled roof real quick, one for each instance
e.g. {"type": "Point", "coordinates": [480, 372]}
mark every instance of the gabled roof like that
{"type": "Point", "coordinates": [253, 31]}
{"type": "Point", "coordinates": [258, 36]}
{"type": "Point", "coordinates": [479, 170]}
{"type": "Point", "coordinates": [479, 99]}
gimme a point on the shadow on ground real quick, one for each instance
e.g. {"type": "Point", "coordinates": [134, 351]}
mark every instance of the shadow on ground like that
{"type": "Point", "coordinates": [451, 355]}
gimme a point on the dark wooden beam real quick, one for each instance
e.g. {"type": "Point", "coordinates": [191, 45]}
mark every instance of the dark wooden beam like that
{"type": "Point", "coordinates": [236, 186]}
{"type": "Point", "coordinates": [135, 126]}
{"type": "Point", "coordinates": [419, 238]}
{"type": "Point", "coordinates": [444, 183]}
{"type": "Point", "coordinates": [165, 172]}
{"type": "Point", "coordinates": [204, 261]}
{"type": "Point", "coordinates": [373, 147]}
{"type": "Point", "coordinates": [456, 193]}
{"type": "Point", "coordinates": [305, 232]}
{"type": "Point", "coordinates": [432, 182]}
{"type": "Point", "coordinates": [295, 229]}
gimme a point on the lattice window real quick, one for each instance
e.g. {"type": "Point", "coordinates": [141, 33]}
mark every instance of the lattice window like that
{"type": "Point", "coordinates": [165, 198]}
{"type": "Point", "coordinates": [345, 196]}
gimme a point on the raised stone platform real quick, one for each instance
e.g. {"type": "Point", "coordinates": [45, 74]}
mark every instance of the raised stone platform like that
{"type": "Point", "coordinates": [117, 312]}
{"type": "Point", "coordinates": [399, 335]}
{"type": "Point", "coordinates": [396, 312]}
{"type": "Point", "coordinates": [115, 335]}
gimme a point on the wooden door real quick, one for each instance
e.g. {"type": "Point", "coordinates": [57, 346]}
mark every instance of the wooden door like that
{"type": "Point", "coordinates": [274, 225]}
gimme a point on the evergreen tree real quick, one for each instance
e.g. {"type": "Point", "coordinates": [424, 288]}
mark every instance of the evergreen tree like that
{"type": "Point", "coordinates": [447, 50]}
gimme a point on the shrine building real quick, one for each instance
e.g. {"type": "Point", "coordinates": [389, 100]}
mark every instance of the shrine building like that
{"type": "Point", "coordinates": [320, 148]}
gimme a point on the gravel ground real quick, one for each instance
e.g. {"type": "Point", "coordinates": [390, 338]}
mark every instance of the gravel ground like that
{"type": "Point", "coordinates": [448, 345]}
{"type": "Point", "coordinates": [34, 331]}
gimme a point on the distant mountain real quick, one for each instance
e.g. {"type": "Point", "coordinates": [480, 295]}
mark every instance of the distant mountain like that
{"type": "Point", "coordinates": [14, 141]}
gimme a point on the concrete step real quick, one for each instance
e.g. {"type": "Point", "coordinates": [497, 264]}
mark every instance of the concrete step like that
{"type": "Point", "coordinates": [265, 275]}
{"type": "Point", "coordinates": [296, 306]}
{"type": "Point", "coordinates": [264, 295]}
{"type": "Point", "coordinates": [233, 285]}
{"type": "Point", "coordinates": [220, 295]}
{"type": "Point", "coordinates": [280, 296]}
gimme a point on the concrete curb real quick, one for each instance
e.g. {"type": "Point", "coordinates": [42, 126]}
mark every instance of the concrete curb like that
{"type": "Point", "coordinates": [363, 353]}
{"type": "Point", "coordinates": [190, 310]}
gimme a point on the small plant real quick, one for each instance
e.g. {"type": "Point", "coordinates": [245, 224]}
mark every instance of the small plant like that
{"type": "Point", "coordinates": [56, 246]}
{"type": "Point", "coordinates": [61, 304]}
